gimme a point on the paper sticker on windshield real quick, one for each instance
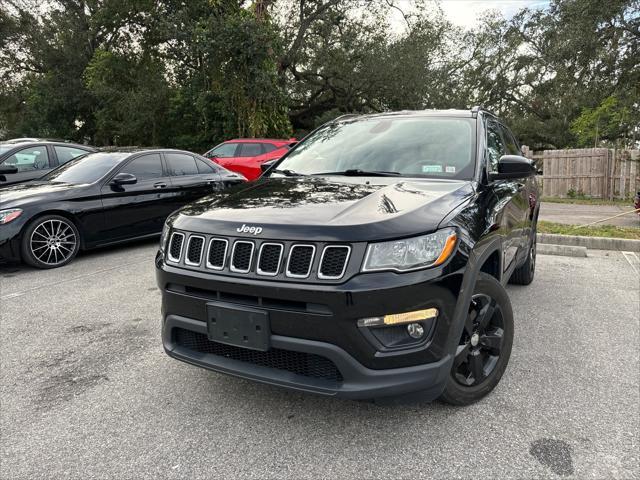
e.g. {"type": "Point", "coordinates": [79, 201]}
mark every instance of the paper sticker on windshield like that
{"type": "Point", "coordinates": [449, 169]}
{"type": "Point", "coordinates": [432, 169]}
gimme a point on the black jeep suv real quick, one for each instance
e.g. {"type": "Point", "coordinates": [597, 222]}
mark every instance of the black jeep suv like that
{"type": "Point", "coordinates": [368, 262]}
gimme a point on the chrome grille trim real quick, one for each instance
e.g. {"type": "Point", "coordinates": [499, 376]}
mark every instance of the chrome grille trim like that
{"type": "Point", "coordinates": [233, 252]}
{"type": "Point", "coordinates": [313, 254]}
{"type": "Point", "coordinates": [186, 255]}
{"type": "Point", "coordinates": [224, 255]}
{"type": "Point", "coordinates": [344, 265]}
{"type": "Point", "coordinates": [171, 257]}
{"type": "Point", "coordinates": [269, 274]}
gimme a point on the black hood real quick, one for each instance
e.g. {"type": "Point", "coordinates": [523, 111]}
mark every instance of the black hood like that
{"type": "Point", "coordinates": [333, 208]}
{"type": "Point", "coordinates": [36, 192]}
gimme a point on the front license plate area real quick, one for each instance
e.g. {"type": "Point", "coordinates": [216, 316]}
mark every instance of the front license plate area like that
{"type": "Point", "coordinates": [239, 326]}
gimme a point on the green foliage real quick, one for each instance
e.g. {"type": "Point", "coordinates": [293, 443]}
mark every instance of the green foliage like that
{"type": "Point", "coordinates": [190, 74]}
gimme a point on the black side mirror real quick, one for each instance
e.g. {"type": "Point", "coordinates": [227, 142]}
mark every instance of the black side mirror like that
{"type": "Point", "coordinates": [8, 169]}
{"type": "Point", "coordinates": [513, 166]}
{"type": "Point", "coordinates": [124, 179]}
{"type": "Point", "coordinates": [267, 165]}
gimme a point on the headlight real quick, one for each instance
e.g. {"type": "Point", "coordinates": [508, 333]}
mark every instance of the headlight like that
{"type": "Point", "coordinates": [411, 253]}
{"type": "Point", "coordinates": [163, 237]}
{"type": "Point", "coordinates": [8, 215]}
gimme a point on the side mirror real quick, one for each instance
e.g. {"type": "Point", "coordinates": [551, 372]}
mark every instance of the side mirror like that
{"type": "Point", "coordinates": [8, 169]}
{"type": "Point", "coordinates": [513, 166]}
{"type": "Point", "coordinates": [124, 179]}
{"type": "Point", "coordinates": [267, 165]}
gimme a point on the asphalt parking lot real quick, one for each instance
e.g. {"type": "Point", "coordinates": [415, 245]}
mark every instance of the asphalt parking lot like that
{"type": "Point", "coordinates": [87, 391]}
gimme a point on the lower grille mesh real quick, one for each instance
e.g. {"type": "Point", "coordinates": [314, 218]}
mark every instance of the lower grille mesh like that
{"type": "Point", "coordinates": [305, 364]}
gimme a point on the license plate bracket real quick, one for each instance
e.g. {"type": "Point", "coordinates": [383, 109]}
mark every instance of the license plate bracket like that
{"type": "Point", "coordinates": [238, 325]}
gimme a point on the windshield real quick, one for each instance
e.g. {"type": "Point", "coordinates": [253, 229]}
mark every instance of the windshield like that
{"type": "Point", "coordinates": [432, 147]}
{"type": "Point", "coordinates": [86, 169]}
{"type": "Point", "coordinates": [6, 148]}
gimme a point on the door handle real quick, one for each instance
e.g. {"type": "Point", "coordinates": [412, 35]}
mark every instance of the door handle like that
{"type": "Point", "coordinates": [160, 185]}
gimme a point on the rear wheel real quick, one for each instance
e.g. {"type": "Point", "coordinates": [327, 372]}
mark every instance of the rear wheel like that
{"type": "Point", "coordinates": [484, 348]}
{"type": "Point", "coordinates": [524, 274]}
{"type": "Point", "coordinates": [50, 241]}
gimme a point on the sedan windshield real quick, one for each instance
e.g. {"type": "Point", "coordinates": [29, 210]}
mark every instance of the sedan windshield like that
{"type": "Point", "coordinates": [86, 169]}
{"type": "Point", "coordinates": [433, 147]}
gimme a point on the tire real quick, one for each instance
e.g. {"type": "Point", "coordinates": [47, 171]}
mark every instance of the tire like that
{"type": "Point", "coordinates": [484, 349]}
{"type": "Point", "coordinates": [524, 274]}
{"type": "Point", "coordinates": [50, 241]}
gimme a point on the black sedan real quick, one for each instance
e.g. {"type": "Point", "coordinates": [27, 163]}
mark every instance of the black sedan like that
{"type": "Point", "coordinates": [99, 199]}
{"type": "Point", "coordinates": [26, 159]}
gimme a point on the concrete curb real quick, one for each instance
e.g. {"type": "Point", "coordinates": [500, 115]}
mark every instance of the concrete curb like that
{"type": "Point", "coordinates": [594, 243]}
{"type": "Point", "coordinates": [563, 250]}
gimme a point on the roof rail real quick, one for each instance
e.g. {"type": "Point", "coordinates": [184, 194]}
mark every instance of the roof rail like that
{"type": "Point", "coordinates": [478, 108]}
{"type": "Point", "coordinates": [345, 116]}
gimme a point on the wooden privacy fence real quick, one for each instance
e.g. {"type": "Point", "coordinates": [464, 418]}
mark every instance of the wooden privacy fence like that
{"type": "Point", "coordinates": [592, 172]}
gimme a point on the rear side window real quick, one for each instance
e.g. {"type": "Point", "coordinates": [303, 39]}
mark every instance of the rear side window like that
{"type": "Point", "coordinates": [269, 147]}
{"type": "Point", "coordinates": [204, 167]}
{"type": "Point", "coordinates": [145, 167]}
{"type": "Point", "coordinates": [65, 154]}
{"type": "Point", "coordinates": [29, 159]}
{"type": "Point", "coordinates": [250, 150]}
{"type": "Point", "coordinates": [495, 145]}
{"type": "Point", "coordinates": [181, 164]}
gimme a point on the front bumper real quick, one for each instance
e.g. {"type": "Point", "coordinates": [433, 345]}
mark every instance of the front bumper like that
{"type": "Point", "coordinates": [319, 321]}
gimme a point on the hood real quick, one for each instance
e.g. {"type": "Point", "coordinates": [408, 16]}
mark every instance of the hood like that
{"type": "Point", "coordinates": [330, 208]}
{"type": "Point", "coordinates": [33, 192]}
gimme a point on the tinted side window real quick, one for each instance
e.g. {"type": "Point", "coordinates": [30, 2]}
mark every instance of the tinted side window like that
{"type": "Point", "coordinates": [510, 142]}
{"type": "Point", "coordinates": [223, 151]}
{"type": "Point", "coordinates": [495, 145]}
{"type": "Point", "coordinates": [204, 167]}
{"type": "Point", "coordinates": [145, 167]}
{"type": "Point", "coordinates": [65, 154]}
{"type": "Point", "coordinates": [28, 159]}
{"type": "Point", "coordinates": [181, 164]}
{"type": "Point", "coordinates": [268, 147]}
{"type": "Point", "coordinates": [250, 149]}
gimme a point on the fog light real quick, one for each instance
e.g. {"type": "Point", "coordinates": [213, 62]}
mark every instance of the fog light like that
{"type": "Point", "coordinates": [415, 330]}
{"type": "Point", "coordinates": [399, 318]}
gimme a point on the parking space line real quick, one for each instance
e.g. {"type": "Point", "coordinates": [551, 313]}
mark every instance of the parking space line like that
{"type": "Point", "coordinates": [9, 296]}
{"type": "Point", "coordinates": [633, 260]}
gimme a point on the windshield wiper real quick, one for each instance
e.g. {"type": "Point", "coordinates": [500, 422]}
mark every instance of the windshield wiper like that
{"type": "Point", "coordinates": [356, 172]}
{"type": "Point", "coordinates": [288, 173]}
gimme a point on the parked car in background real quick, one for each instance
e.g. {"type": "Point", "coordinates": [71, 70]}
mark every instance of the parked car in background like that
{"type": "Point", "coordinates": [245, 155]}
{"type": "Point", "coordinates": [22, 160]}
{"type": "Point", "coordinates": [101, 198]}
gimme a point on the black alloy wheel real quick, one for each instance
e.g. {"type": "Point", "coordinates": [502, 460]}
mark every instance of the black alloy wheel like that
{"type": "Point", "coordinates": [484, 348]}
{"type": "Point", "coordinates": [50, 241]}
{"type": "Point", "coordinates": [481, 343]}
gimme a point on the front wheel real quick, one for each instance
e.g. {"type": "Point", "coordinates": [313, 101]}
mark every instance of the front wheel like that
{"type": "Point", "coordinates": [50, 241]}
{"type": "Point", "coordinates": [484, 348]}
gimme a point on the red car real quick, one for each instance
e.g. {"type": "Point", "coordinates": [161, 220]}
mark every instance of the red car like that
{"type": "Point", "coordinates": [245, 155]}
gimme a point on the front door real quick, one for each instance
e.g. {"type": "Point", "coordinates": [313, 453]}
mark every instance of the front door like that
{"type": "Point", "coordinates": [140, 209]}
{"type": "Point", "coordinates": [31, 162]}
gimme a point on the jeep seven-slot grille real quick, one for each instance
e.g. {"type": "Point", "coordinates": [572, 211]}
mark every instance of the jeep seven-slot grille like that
{"type": "Point", "coordinates": [241, 257]}
{"type": "Point", "coordinates": [175, 249]}
{"type": "Point", "coordinates": [300, 259]}
{"type": "Point", "coordinates": [194, 250]}
{"type": "Point", "coordinates": [334, 260]}
{"type": "Point", "coordinates": [300, 363]}
{"type": "Point", "coordinates": [217, 253]}
{"type": "Point", "coordinates": [269, 259]}
{"type": "Point", "coordinates": [266, 258]}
